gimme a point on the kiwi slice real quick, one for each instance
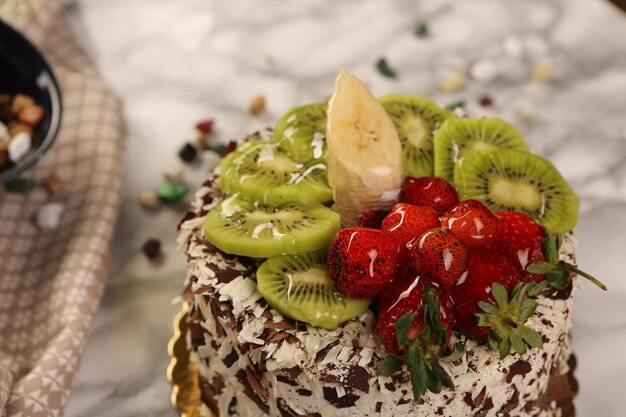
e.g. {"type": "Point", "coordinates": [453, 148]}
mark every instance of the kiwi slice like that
{"type": "Point", "coordinates": [302, 132]}
{"type": "Point", "coordinates": [260, 171]}
{"type": "Point", "coordinates": [243, 228]}
{"type": "Point", "coordinates": [300, 287]}
{"type": "Point", "coordinates": [459, 137]}
{"type": "Point", "coordinates": [415, 118]}
{"type": "Point", "coordinates": [507, 180]}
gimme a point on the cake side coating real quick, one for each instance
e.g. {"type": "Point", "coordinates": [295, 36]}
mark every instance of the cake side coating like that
{"type": "Point", "coordinates": [253, 361]}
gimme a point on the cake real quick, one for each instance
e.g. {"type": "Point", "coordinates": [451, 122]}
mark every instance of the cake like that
{"type": "Point", "coordinates": [257, 356]}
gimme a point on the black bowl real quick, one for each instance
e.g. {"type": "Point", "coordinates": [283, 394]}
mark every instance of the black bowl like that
{"type": "Point", "coordinates": [24, 70]}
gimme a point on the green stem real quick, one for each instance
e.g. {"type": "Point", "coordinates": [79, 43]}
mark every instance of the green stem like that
{"type": "Point", "coordinates": [570, 268]}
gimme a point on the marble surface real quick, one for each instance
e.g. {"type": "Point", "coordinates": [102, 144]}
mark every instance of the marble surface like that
{"type": "Point", "coordinates": [175, 62]}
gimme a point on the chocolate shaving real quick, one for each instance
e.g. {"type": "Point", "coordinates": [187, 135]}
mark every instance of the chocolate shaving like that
{"type": "Point", "coordinates": [512, 403]}
{"type": "Point", "coordinates": [488, 404]}
{"type": "Point", "coordinates": [231, 358]}
{"type": "Point", "coordinates": [330, 378]}
{"type": "Point", "coordinates": [348, 400]}
{"type": "Point", "coordinates": [282, 325]}
{"type": "Point", "coordinates": [188, 216]}
{"type": "Point", "coordinates": [478, 401]}
{"type": "Point", "coordinates": [284, 409]}
{"type": "Point", "coordinates": [227, 275]}
{"type": "Point", "coordinates": [276, 337]}
{"type": "Point", "coordinates": [304, 392]}
{"type": "Point", "coordinates": [324, 351]}
{"type": "Point", "coordinates": [242, 376]}
{"type": "Point", "coordinates": [256, 384]}
{"type": "Point", "coordinates": [390, 386]}
{"type": "Point", "coordinates": [285, 380]}
{"type": "Point", "coordinates": [379, 406]}
{"type": "Point", "coordinates": [292, 372]}
{"type": "Point", "coordinates": [521, 367]}
{"type": "Point", "coordinates": [210, 392]}
{"type": "Point", "coordinates": [358, 377]}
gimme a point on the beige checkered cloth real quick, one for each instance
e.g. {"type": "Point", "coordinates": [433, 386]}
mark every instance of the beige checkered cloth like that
{"type": "Point", "coordinates": [51, 281]}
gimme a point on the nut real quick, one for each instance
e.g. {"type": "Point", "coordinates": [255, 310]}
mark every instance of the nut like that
{"type": "Point", "coordinates": [257, 106]}
{"type": "Point", "coordinates": [54, 185]}
{"type": "Point", "coordinates": [149, 200]}
{"type": "Point", "coordinates": [16, 127]}
{"type": "Point", "coordinates": [20, 101]}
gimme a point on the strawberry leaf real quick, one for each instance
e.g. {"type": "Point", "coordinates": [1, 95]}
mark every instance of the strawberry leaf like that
{"type": "Point", "coordinates": [550, 249]}
{"type": "Point", "coordinates": [557, 272]}
{"type": "Point", "coordinates": [534, 290]}
{"type": "Point", "coordinates": [441, 374]}
{"type": "Point", "coordinates": [417, 369]}
{"type": "Point", "coordinates": [389, 365]}
{"type": "Point", "coordinates": [433, 329]}
{"type": "Point", "coordinates": [518, 344]}
{"type": "Point", "coordinates": [540, 268]}
{"type": "Point", "coordinates": [457, 353]}
{"type": "Point", "coordinates": [402, 328]}
{"type": "Point", "coordinates": [527, 308]}
{"type": "Point", "coordinates": [499, 293]}
{"type": "Point", "coordinates": [507, 318]}
{"type": "Point", "coordinates": [504, 348]}
{"type": "Point", "coordinates": [530, 336]}
{"type": "Point", "coordinates": [558, 279]}
{"type": "Point", "coordinates": [488, 307]}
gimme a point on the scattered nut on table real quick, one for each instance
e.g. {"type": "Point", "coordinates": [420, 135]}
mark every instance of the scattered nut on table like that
{"type": "Point", "coordinates": [257, 106]}
{"type": "Point", "coordinates": [54, 185]}
{"type": "Point", "coordinates": [149, 200]}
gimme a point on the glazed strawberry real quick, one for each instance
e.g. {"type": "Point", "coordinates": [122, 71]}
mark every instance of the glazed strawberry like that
{"type": "Point", "coordinates": [406, 297]}
{"type": "Point", "coordinates": [472, 223]}
{"type": "Point", "coordinates": [407, 223]}
{"type": "Point", "coordinates": [417, 325]}
{"type": "Point", "coordinates": [372, 218]}
{"type": "Point", "coordinates": [485, 266]}
{"type": "Point", "coordinates": [429, 191]}
{"type": "Point", "coordinates": [439, 256]}
{"type": "Point", "coordinates": [362, 260]}
{"type": "Point", "coordinates": [521, 239]}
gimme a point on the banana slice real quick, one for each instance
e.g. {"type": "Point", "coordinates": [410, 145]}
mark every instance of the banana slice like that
{"type": "Point", "coordinates": [364, 151]}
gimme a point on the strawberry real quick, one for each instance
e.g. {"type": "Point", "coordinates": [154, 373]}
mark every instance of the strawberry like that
{"type": "Point", "coordinates": [429, 191]}
{"type": "Point", "coordinates": [472, 223]}
{"type": "Point", "coordinates": [485, 266]}
{"type": "Point", "coordinates": [407, 223]}
{"type": "Point", "coordinates": [439, 256]}
{"type": "Point", "coordinates": [372, 218]}
{"type": "Point", "coordinates": [416, 329]}
{"type": "Point", "coordinates": [403, 297]}
{"type": "Point", "coordinates": [521, 240]}
{"type": "Point", "coordinates": [362, 260]}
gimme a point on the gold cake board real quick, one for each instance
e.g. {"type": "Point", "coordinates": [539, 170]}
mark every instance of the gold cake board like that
{"type": "Point", "coordinates": [181, 373]}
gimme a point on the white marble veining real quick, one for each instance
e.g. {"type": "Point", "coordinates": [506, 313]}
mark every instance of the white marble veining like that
{"type": "Point", "coordinates": [175, 62]}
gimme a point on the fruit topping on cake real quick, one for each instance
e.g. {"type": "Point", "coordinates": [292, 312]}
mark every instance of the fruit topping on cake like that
{"type": "Point", "coordinates": [439, 259]}
{"type": "Point", "coordinates": [300, 287]}
{"type": "Point", "coordinates": [364, 152]}
{"type": "Point", "coordinates": [429, 191]}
